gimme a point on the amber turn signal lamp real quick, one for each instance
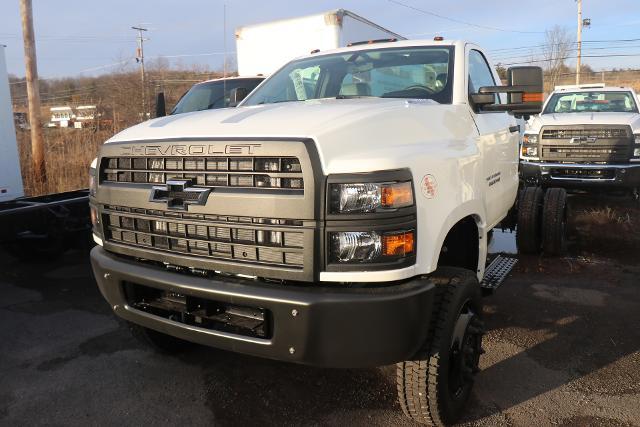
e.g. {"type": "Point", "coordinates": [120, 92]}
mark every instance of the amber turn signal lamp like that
{"type": "Point", "coordinates": [400, 244]}
{"type": "Point", "coordinates": [397, 195]}
{"type": "Point", "coordinates": [531, 97]}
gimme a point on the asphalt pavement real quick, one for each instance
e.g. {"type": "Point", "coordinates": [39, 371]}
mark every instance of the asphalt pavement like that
{"type": "Point", "coordinates": [563, 348]}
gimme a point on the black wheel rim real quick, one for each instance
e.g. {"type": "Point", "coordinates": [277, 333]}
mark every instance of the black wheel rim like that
{"type": "Point", "coordinates": [466, 347]}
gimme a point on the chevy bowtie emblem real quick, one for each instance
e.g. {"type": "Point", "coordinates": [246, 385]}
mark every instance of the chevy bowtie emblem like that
{"type": "Point", "coordinates": [178, 194]}
{"type": "Point", "coordinates": [583, 140]}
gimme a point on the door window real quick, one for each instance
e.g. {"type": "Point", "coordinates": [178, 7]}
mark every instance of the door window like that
{"type": "Point", "coordinates": [480, 73]}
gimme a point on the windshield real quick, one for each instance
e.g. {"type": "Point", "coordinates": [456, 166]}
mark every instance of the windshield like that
{"type": "Point", "coordinates": [208, 96]}
{"type": "Point", "coordinates": [587, 102]}
{"type": "Point", "coordinates": [415, 72]}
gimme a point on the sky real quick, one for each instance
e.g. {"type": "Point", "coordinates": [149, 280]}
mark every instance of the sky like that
{"type": "Point", "coordinates": [90, 37]}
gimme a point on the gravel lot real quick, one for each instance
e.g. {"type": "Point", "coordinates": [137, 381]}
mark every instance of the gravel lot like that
{"type": "Point", "coordinates": [563, 347]}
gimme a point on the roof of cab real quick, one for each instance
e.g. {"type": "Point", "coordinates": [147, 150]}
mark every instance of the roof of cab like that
{"type": "Point", "coordinates": [593, 87]}
{"type": "Point", "coordinates": [231, 78]}
{"type": "Point", "coordinates": [387, 44]}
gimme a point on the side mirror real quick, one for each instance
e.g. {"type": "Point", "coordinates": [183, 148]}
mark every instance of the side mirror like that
{"type": "Point", "coordinates": [524, 92]}
{"type": "Point", "coordinates": [161, 109]}
{"type": "Point", "coordinates": [237, 95]}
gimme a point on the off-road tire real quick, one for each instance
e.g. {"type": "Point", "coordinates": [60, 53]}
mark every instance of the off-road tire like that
{"type": "Point", "coordinates": [158, 341]}
{"type": "Point", "coordinates": [554, 222]}
{"type": "Point", "coordinates": [529, 231]}
{"type": "Point", "coordinates": [425, 383]}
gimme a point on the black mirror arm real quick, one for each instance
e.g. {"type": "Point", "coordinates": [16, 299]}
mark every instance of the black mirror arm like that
{"type": "Point", "coordinates": [161, 109]}
{"type": "Point", "coordinates": [507, 89]}
{"type": "Point", "coordinates": [513, 107]}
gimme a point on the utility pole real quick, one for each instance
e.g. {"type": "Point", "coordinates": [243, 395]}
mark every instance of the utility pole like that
{"type": "Point", "coordinates": [33, 91]}
{"type": "Point", "coordinates": [140, 59]}
{"type": "Point", "coordinates": [579, 42]}
{"type": "Point", "coordinates": [224, 47]}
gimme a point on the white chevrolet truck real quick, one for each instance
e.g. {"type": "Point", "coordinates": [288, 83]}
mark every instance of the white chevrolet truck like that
{"type": "Point", "coordinates": [338, 217]}
{"type": "Point", "coordinates": [586, 139]}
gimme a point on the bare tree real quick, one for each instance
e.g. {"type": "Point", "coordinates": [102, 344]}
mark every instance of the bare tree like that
{"type": "Point", "coordinates": [558, 44]}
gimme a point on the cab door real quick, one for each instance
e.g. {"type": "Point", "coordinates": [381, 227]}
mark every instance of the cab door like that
{"type": "Point", "coordinates": [498, 142]}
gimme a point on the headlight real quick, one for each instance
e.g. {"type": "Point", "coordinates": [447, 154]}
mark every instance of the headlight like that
{"type": "Point", "coordinates": [360, 246]}
{"type": "Point", "coordinates": [92, 177]}
{"type": "Point", "coordinates": [529, 145]}
{"type": "Point", "coordinates": [92, 182]}
{"type": "Point", "coordinates": [636, 152]}
{"type": "Point", "coordinates": [94, 216]}
{"type": "Point", "coordinates": [370, 246]}
{"type": "Point", "coordinates": [529, 151]}
{"type": "Point", "coordinates": [370, 197]}
{"type": "Point", "coordinates": [638, 139]}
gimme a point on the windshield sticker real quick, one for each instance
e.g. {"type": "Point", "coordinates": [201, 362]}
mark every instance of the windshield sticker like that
{"type": "Point", "coordinates": [298, 84]}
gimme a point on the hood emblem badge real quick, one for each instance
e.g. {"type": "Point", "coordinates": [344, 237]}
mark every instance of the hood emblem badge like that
{"type": "Point", "coordinates": [583, 140]}
{"type": "Point", "coordinates": [178, 194]}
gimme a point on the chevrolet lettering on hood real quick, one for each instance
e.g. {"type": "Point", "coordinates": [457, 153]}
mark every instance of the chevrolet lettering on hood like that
{"type": "Point", "coordinates": [189, 149]}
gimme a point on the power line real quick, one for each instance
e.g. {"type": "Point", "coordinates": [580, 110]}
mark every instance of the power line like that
{"type": "Point", "coordinates": [192, 55]}
{"type": "Point", "coordinates": [502, 58]}
{"type": "Point", "coordinates": [72, 37]}
{"type": "Point", "coordinates": [86, 70]}
{"type": "Point", "coordinates": [573, 57]}
{"type": "Point", "coordinates": [571, 43]}
{"type": "Point", "coordinates": [458, 21]}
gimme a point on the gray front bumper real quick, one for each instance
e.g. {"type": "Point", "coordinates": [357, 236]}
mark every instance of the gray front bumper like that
{"type": "Point", "coordinates": [333, 327]}
{"type": "Point", "coordinates": [620, 176]}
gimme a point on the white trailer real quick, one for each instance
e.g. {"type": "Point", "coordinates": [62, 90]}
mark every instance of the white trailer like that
{"type": "Point", "coordinates": [10, 178]}
{"type": "Point", "coordinates": [263, 48]}
{"type": "Point", "coordinates": [33, 227]}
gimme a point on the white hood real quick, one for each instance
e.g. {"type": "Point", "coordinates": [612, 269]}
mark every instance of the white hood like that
{"type": "Point", "coordinates": [343, 129]}
{"type": "Point", "coordinates": [630, 119]}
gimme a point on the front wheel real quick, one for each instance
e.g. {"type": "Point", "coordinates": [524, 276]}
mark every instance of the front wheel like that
{"type": "Point", "coordinates": [434, 388]}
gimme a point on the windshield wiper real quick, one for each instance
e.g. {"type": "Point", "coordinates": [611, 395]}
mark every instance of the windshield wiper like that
{"type": "Point", "coordinates": [280, 101]}
{"type": "Point", "coordinates": [354, 96]}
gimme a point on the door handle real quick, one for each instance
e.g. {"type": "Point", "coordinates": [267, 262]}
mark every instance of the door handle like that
{"type": "Point", "coordinates": [515, 128]}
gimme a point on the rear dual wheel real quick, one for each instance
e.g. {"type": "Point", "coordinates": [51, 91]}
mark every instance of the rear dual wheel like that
{"type": "Point", "coordinates": [542, 221]}
{"type": "Point", "coordinates": [554, 222]}
{"type": "Point", "coordinates": [529, 231]}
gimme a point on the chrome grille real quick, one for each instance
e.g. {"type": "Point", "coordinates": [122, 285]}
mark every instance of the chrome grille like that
{"type": "Point", "coordinates": [586, 144]}
{"type": "Point", "coordinates": [604, 133]}
{"type": "Point", "coordinates": [599, 153]}
{"type": "Point", "coordinates": [276, 242]}
{"type": "Point", "coordinates": [279, 173]}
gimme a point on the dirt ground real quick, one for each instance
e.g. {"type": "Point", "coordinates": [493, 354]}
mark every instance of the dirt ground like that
{"type": "Point", "coordinates": [563, 348]}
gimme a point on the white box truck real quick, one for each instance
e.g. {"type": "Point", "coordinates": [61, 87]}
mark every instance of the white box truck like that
{"type": "Point", "coordinates": [10, 178]}
{"type": "Point", "coordinates": [33, 227]}
{"type": "Point", "coordinates": [263, 48]}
